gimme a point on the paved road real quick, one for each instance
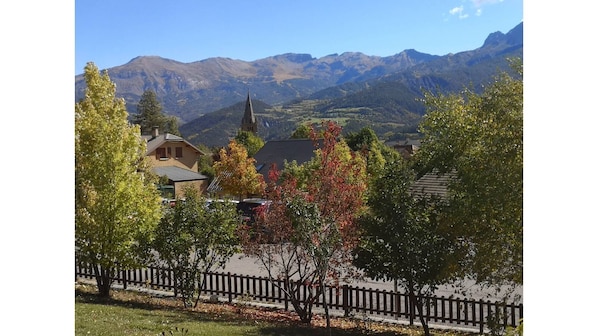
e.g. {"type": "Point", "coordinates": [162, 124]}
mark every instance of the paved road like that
{"type": "Point", "coordinates": [241, 264]}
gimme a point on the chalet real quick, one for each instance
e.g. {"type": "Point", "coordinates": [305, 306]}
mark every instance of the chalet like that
{"type": "Point", "coordinates": [175, 158]}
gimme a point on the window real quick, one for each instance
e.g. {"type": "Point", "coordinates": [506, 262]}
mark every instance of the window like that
{"type": "Point", "coordinates": [161, 153]}
{"type": "Point", "coordinates": [178, 151]}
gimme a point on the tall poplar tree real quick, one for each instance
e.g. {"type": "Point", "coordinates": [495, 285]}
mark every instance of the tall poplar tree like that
{"type": "Point", "coordinates": [117, 205]}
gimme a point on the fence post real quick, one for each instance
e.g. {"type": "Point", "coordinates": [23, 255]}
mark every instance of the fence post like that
{"type": "Point", "coordinates": [230, 291]}
{"type": "Point", "coordinates": [397, 299]}
{"type": "Point", "coordinates": [286, 297]}
{"type": "Point", "coordinates": [124, 275]}
{"type": "Point", "coordinates": [346, 300]}
{"type": "Point", "coordinates": [482, 316]}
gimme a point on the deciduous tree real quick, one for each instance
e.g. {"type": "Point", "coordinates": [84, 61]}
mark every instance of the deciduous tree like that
{"type": "Point", "coordinates": [302, 132]}
{"type": "Point", "coordinates": [237, 173]}
{"type": "Point", "coordinates": [403, 238]}
{"type": "Point", "coordinates": [251, 141]}
{"type": "Point", "coordinates": [195, 237]}
{"type": "Point", "coordinates": [117, 205]}
{"type": "Point", "coordinates": [376, 153]}
{"type": "Point", "coordinates": [480, 136]}
{"type": "Point", "coordinates": [312, 230]}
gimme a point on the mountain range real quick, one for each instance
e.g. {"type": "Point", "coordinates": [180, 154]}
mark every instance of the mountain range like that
{"type": "Point", "coordinates": [208, 96]}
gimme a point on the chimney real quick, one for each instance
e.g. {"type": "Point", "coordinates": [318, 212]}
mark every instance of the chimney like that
{"type": "Point", "coordinates": [155, 132]}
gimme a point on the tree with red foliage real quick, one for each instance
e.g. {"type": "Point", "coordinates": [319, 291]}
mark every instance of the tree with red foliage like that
{"type": "Point", "coordinates": [307, 233]}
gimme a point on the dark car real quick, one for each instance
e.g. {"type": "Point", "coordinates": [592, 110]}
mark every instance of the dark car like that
{"type": "Point", "coordinates": [247, 208]}
{"type": "Point", "coordinates": [249, 211]}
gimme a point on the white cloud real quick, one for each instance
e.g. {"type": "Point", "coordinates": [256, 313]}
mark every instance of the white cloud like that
{"type": "Point", "coordinates": [459, 12]}
{"type": "Point", "coordinates": [476, 5]}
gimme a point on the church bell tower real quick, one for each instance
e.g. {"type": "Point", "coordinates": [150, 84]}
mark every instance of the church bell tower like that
{"type": "Point", "coordinates": [249, 123]}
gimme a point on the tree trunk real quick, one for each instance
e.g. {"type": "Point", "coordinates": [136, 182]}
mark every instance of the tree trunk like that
{"type": "Point", "coordinates": [422, 319]}
{"type": "Point", "coordinates": [304, 312]}
{"type": "Point", "coordinates": [326, 312]}
{"type": "Point", "coordinates": [103, 280]}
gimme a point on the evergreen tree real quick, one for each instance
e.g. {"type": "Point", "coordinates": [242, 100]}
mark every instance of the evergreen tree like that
{"type": "Point", "coordinates": [149, 114]}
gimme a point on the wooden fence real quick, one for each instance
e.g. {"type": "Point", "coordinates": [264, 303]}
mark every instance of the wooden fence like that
{"type": "Point", "coordinates": [349, 299]}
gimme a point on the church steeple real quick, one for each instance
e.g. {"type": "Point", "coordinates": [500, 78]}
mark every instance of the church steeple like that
{"type": "Point", "coordinates": [249, 123]}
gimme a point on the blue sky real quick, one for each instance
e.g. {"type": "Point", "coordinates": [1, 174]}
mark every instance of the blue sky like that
{"type": "Point", "coordinates": [112, 32]}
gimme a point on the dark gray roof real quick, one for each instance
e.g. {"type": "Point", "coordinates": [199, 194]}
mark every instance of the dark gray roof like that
{"type": "Point", "coordinates": [177, 174]}
{"type": "Point", "coordinates": [276, 152]}
{"type": "Point", "coordinates": [432, 184]}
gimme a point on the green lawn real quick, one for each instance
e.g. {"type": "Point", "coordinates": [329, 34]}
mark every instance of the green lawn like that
{"type": "Point", "coordinates": [133, 313]}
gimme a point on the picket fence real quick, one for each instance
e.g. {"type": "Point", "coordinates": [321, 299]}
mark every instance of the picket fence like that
{"type": "Point", "coordinates": [348, 299]}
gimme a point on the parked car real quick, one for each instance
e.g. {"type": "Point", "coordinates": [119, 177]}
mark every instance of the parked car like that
{"type": "Point", "coordinates": [248, 207]}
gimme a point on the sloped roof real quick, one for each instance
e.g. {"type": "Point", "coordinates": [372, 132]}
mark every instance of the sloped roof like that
{"type": "Point", "coordinates": [177, 174]}
{"type": "Point", "coordinates": [432, 184]}
{"type": "Point", "coordinates": [155, 142]}
{"type": "Point", "coordinates": [276, 152]}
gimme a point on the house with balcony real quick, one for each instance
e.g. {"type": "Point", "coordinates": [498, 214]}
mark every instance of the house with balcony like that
{"type": "Point", "coordinates": [176, 160]}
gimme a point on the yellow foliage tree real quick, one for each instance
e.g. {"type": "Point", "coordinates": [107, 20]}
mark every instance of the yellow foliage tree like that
{"type": "Point", "coordinates": [237, 173]}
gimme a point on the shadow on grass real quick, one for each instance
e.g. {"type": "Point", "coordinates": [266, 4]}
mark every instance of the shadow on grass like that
{"type": "Point", "coordinates": [177, 314]}
{"type": "Point", "coordinates": [145, 302]}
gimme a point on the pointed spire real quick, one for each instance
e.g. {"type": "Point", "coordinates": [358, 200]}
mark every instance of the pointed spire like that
{"type": "Point", "coordinates": [249, 123]}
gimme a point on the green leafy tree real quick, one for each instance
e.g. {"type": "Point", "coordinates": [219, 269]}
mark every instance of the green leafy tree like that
{"type": "Point", "coordinates": [403, 238]}
{"type": "Point", "coordinates": [251, 141]}
{"type": "Point", "coordinates": [302, 132]}
{"type": "Point", "coordinates": [196, 237]}
{"type": "Point", "coordinates": [366, 142]}
{"type": "Point", "coordinates": [205, 163]}
{"type": "Point", "coordinates": [149, 114]}
{"type": "Point", "coordinates": [117, 205]}
{"type": "Point", "coordinates": [480, 137]}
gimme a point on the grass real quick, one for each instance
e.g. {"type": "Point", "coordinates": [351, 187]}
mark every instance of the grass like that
{"type": "Point", "coordinates": [136, 313]}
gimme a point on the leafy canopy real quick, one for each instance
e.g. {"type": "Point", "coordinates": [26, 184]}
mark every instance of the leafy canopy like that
{"type": "Point", "coordinates": [310, 226]}
{"type": "Point", "coordinates": [237, 173]}
{"type": "Point", "coordinates": [480, 137]}
{"type": "Point", "coordinates": [116, 203]}
{"type": "Point", "coordinates": [194, 237]}
{"type": "Point", "coordinates": [403, 237]}
{"type": "Point", "coordinates": [251, 141]}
